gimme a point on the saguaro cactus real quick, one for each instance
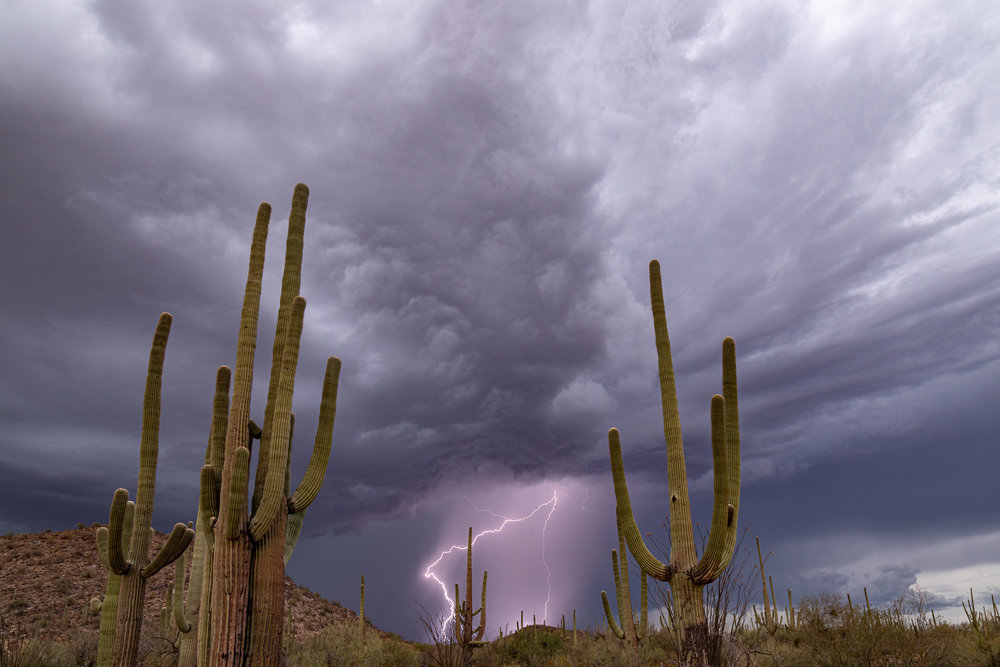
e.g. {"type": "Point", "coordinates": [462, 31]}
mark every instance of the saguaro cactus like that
{"type": "Point", "coordinates": [769, 619]}
{"type": "Point", "coordinates": [361, 613]}
{"type": "Point", "coordinates": [628, 630]}
{"type": "Point", "coordinates": [251, 543]}
{"type": "Point", "coordinates": [686, 573]}
{"type": "Point", "coordinates": [108, 607]}
{"type": "Point", "coordinates": [135, 567]}
{"type": "Point", "coordinates": [465, 631]}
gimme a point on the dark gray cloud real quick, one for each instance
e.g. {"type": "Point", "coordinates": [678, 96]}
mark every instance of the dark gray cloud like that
{"type": "Point", "coordinates": [488, 184]}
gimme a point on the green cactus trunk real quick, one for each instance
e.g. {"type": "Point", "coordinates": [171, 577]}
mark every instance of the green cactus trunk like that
{"type": "Point", "coordinates": [687, 574]}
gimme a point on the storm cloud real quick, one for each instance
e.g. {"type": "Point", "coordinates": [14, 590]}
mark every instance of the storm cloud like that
{"type": "Point", "coordinates": [488, 184]}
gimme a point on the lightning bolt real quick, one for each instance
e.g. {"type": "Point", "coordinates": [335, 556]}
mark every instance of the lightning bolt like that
{"type": "Point", "coordinates": [449, 603]}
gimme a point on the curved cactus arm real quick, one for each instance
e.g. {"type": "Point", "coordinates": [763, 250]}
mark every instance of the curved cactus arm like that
{"type": "Point", "coordinates": [714, 559]}
{"type": "Point", "coordinates": [179, 539]}
{"type": "Point", "coordinates": [180, 620]}
{"type": "Point", "coordinates": [617, 631]}
{"type": "Point", "coordinates": [649, 563]}
{"type": "Point", "coordinates": [278, 450]}
{"type": "Point", "coordinates": [293, 528]}
{"type": "Point", "coordinates": [118, 532]}
{"type": "Point", "coordinates": [316, 471]}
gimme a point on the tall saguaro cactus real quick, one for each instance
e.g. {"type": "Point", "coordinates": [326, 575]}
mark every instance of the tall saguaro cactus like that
{"type": "Point", "coordinates": [466, 632]}
{"type": "Point", "coordinates": [252, 539]}
{"type": "Point", "coordinates": [686, 573]}
{"type": "Point", "coordinates": [631, 632]}
{"type": "Point", "coordinates": [134, 566]}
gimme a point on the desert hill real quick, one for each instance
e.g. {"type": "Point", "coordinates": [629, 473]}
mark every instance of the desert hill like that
{"type": "Point", "coordinates": [47, 581]}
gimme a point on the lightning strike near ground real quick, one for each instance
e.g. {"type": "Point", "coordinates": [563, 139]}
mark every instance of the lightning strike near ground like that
{"type": "Point", "coordinates": [449, 603]}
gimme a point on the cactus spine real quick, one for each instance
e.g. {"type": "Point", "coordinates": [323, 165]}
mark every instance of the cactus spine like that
{"type": "Point", "coordinates": [465, 633]}
{"type": "Point", "coordinates": [135, 566]}
{"type": "Point", "coordinates": [628, 630]}
{"type": "Point", "coordinates": [687, 574]}
{"type": "Point", "coordinates": [251, 544]}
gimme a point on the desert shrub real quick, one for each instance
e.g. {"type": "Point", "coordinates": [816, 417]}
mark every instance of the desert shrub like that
{"type": "Point", "coordinates": [19, 649]}
{"type": "Point", "coordinates": [341, 645]}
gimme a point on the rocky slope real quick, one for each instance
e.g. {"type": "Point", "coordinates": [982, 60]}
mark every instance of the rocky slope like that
{"type": "Point", "coordinates": [47, 580]}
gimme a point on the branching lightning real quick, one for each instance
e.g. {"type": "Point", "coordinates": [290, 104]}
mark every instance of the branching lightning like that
{"type": "Point", "coordinates": [450, 604]}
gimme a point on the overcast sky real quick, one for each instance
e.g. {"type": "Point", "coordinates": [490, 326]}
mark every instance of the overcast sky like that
{"type": "Point", "coordinates": [488, 183]}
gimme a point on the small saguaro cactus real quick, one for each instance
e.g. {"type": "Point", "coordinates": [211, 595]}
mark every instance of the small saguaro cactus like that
{"type": "Point", "coordinates": [687, 574]}
{"type": "Point", "coordinates": [769, 618]}
{"type": "Point", "coordinates": [465, 633]}
{"type": "Point", "coordinates": [253, 540]}
{"type": "Point", "coordinates": [135, 566]}
{"type": "Point", "coordinates": [108, 607]}
{"type": "Point", "coordinates": [631, 632]}
{"type": "Point", "coordinates": [361, 612]}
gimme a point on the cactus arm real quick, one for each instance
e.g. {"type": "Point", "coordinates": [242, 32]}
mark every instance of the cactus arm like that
{"type": "Point", "coordinates": [178, 602]}
{"type": "Point", "coordinates": [647, 561]}
{"type": "Point", "coordinates": [624, 592]}
{"type": "Point", "coordinates": [293, 528]}
{"type": "Point", "coordinates": [208, 498]}
{"type": "Point", "coordinates": [617, 631]}
{"type": "Point", "coordinates": [291, 281]}
{"type": "Point", "coordinates": [274, 481]}
{"type": "Point", "coordinates": [316, 471]}
{"type": "Point", "coordinates": [179, 540]}
{"type": "Point", "coordinates": [711, 563]}
{"type": "Point", "coordinates": [95, 604]}
{"type": "Point", "coordinates": [149, 445]}
{"type": "Point", "coordinates": [732, 430]}
{"type": "Point", "coordinates": [482, 610]}
{"type": "Point", "coordinates": [117, 533]}
{"type": "Point", "coordinates": [236, 508]}
{"type": "Point", "coordinates": [215, 451]}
